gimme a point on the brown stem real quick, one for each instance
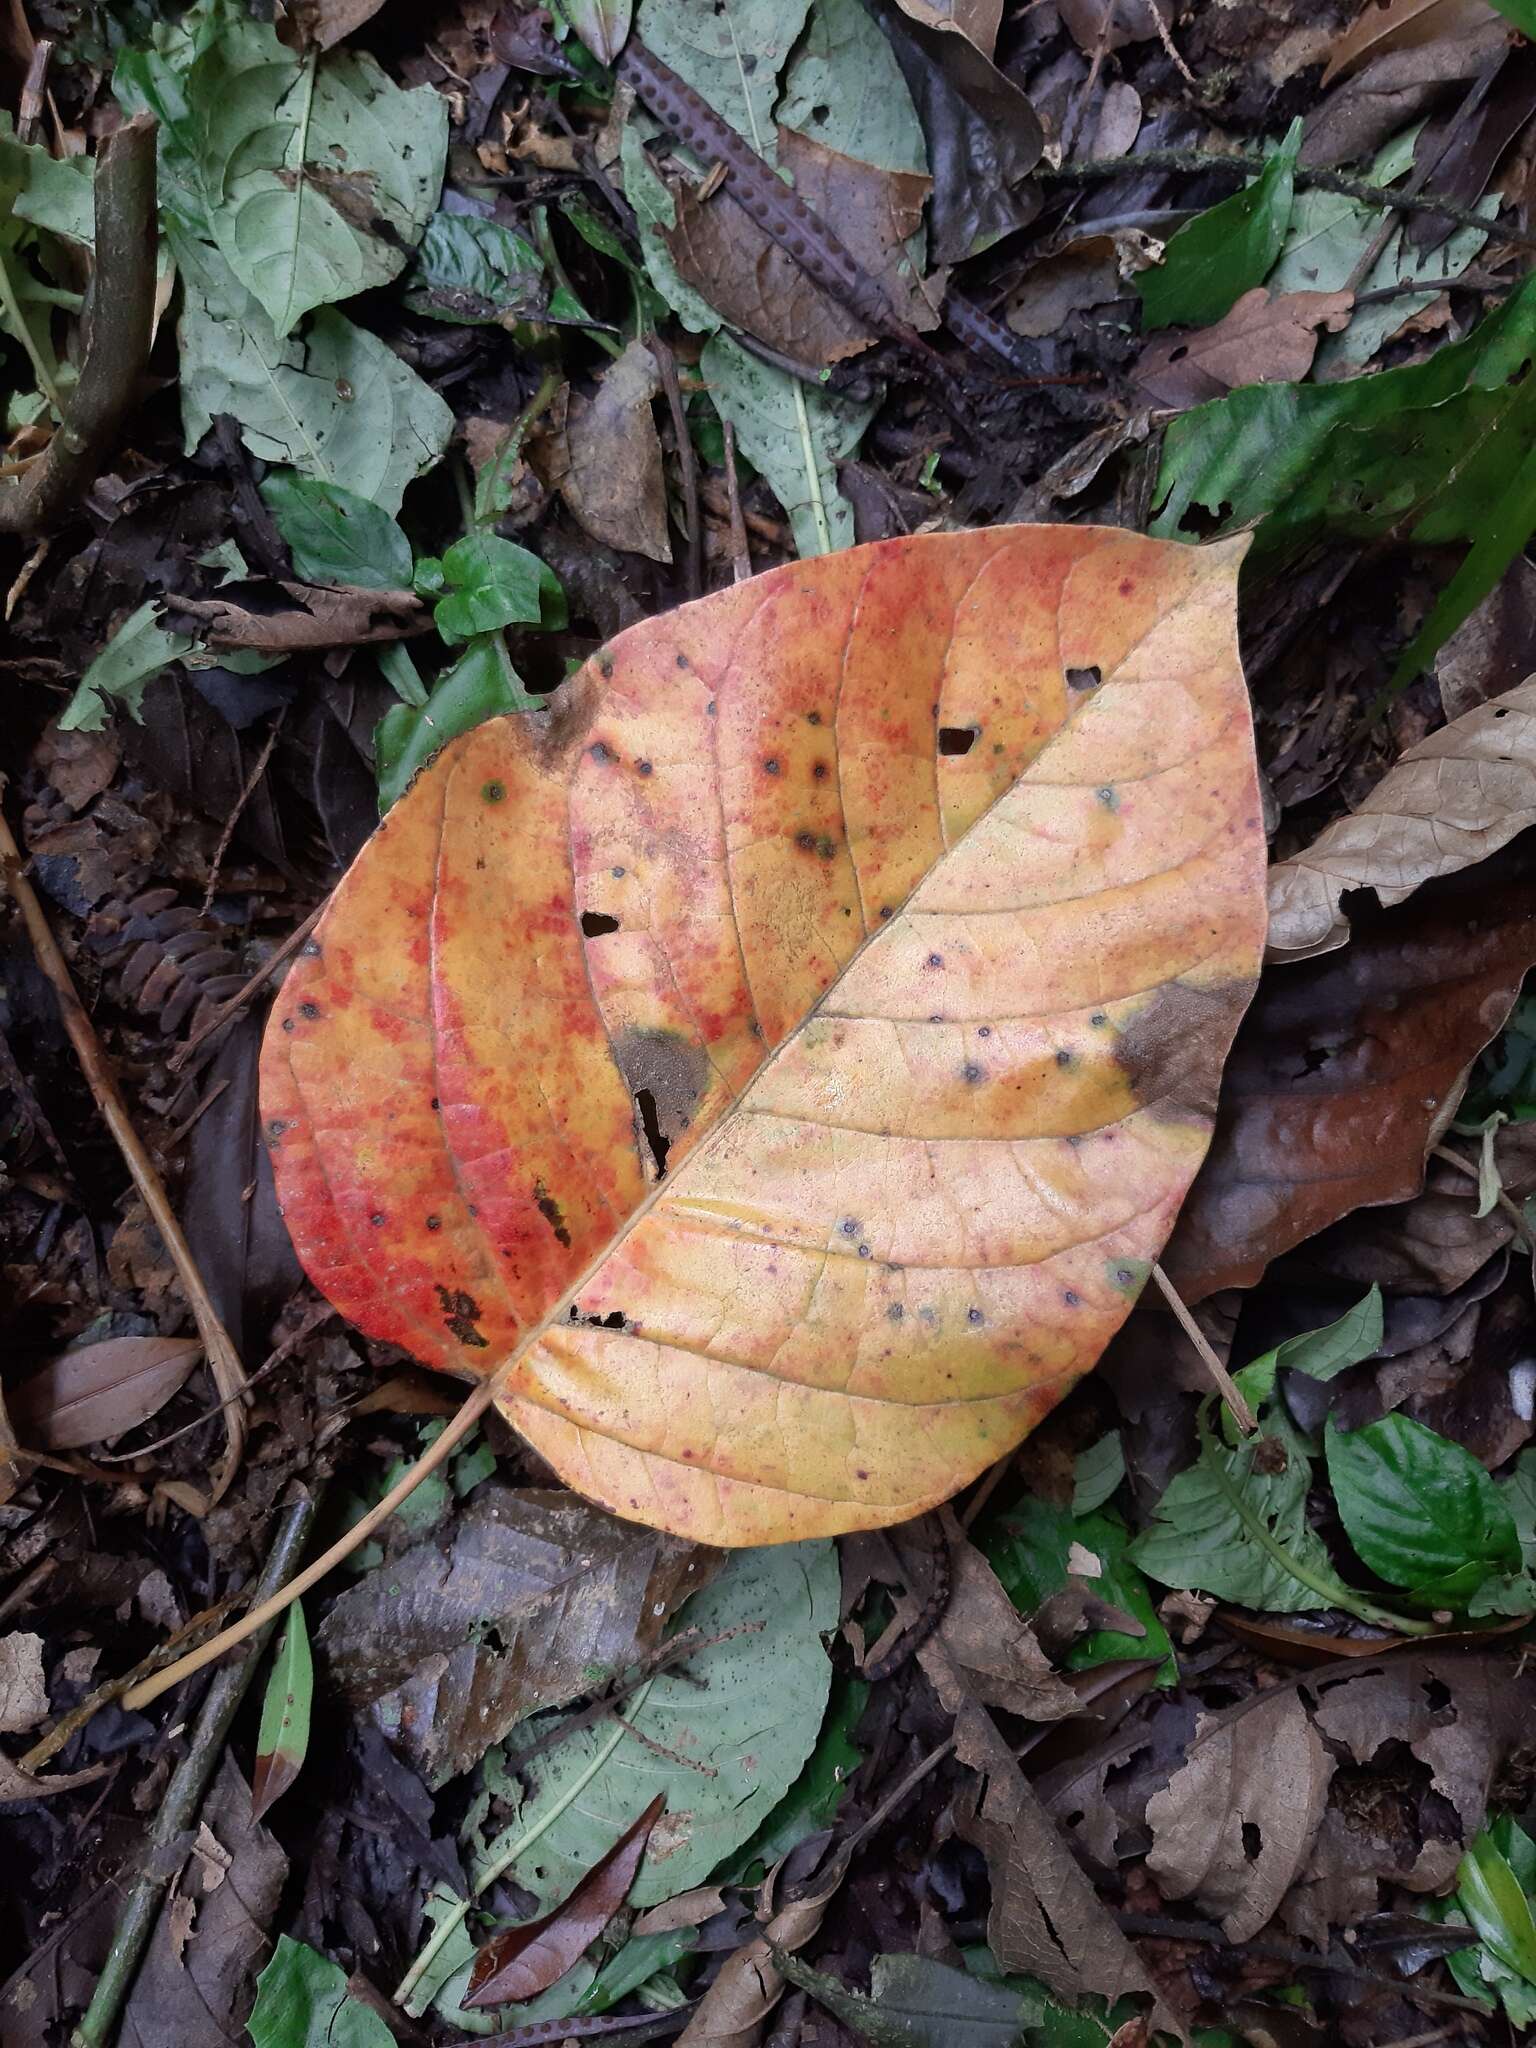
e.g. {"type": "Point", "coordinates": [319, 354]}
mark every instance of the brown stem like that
{"type": "Point", "coordinates": [1226, 1386]}
{"type": "Point", "coordinates": [243, 995]}
{"type": "Point", "coordinates": [121, 316]}
{"type": "Point", "coordinates": [741, 553]}
{"type": "Point", "coordinates": [223, 1358]}
{"type": "Point", "coordinates": [666, 363]}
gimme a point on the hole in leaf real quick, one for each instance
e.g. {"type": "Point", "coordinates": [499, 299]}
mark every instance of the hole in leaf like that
{"type": "Point", "coordinates": [594, 924]}
{"type": "Point", "coordinates": [655, 1137]}
{"type": "Point", "coordinates": [1084, 678]}
{"type": "Point", "coordinates": [1253, 1840]}
{"type": "Point", "coordinates": [956, 739]}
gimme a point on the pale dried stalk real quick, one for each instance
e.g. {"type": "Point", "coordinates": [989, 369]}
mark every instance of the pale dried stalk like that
{"type": "Point", "coordinates": [1226, 1386]}
{"type": "Point", "coordinates": [223, 1359]}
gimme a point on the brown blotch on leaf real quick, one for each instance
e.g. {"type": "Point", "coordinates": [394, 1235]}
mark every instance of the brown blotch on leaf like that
{"type": "Point", "coordinates": [461, 1312]}
{"type": "Point", "coordinates": [552, 1213]}
{"type": "Point", "coordinates": [1165, 1049]}
{"type": "Point", "coordinates": [672, 1072]}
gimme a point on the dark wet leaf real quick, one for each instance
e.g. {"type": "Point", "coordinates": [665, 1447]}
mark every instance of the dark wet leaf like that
{"type": "Point", "coordinates": [522, 1961]}
{"type": "Point", "coordinates": [334, 536]}
{"type": "Point", "coordinates": [96, 1391]}
{"type": "Point", "coordinates": [1420, 1511]}
{"type": "Point", "coordinates": [474, 272]}
{"type": "Point", "coordinates": [529, 1600]}
{"type": "Point", "coordinates": [1225, 251]}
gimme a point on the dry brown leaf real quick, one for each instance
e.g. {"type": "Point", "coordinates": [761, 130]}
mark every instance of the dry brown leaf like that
{"type": "Point", "coordinates": [17, 1785]}
{"type": "Point", "coordinates": [1087, 273]}
{"type": "Point", "coordinates": [976, 20]}
{"type": "Point", "coordinates": [1233, 1828]}
{"type": "Point", "coordinates": [1494, 649]}
{"type": "Point", "coordinates": [1385, 25]}
{"type": "Point", "coordinates": [1118, 122]}
{"type": "Point", "coordinates": [735, 2008]}
{"type": "Point", "coordinates": [1260, 341]}
{"type": "Point", "coordinates": [97, 1391]}
{"type": "Point", "coordinates": [615, 485]}
{"type": "Point", "coordinates": [985, 1650]}
{"type": "Point", "coordinates": [1046, 1918]}
{"type": "Point", "coordinates": [1112, 24]}
{"type": "Point", "coordinates": [1450, 801]}
{"type": "Point", "coordinates": [343, 616]}
{"type": "Point", "coordinates": [321, 24]}
{"type": "Point", "coordinates": [23, 1691]}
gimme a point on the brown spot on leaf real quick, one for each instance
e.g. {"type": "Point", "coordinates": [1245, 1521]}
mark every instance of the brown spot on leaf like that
{"type": "Point", "coordinates": [552, 1213]}
{"type": "Point", "coordinates": [461, 1312]}
{"type": "Point", "coordinates": [673, 1072]}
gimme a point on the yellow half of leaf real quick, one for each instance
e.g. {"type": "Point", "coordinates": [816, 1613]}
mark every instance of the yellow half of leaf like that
{"type": "Point", "coordinates": [797, 1042]}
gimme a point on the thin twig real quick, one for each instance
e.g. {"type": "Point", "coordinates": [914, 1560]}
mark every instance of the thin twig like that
{"type": "Point", "coordinates": [741, 553]}
{"type": "Point", "coordinates": [223, 1358]}
{"type": "Point", "coordinates": [183, 1797]}
{"type": "Point", "coordinates": [246, 793]}
{"type": "Point", "coordinates": [1165, 37]}
{"type": "Point", "coordinates": [1227, 1387]}
{"type": "Point", "coordinates": [687, 463]}
{"type": "Point", "coordinates": [243, 995]}
{"type": "Point", "coordinates": [1245, 164]}
{"type": "Point", "coordinates": [119, 329]}
{"type": "Point", "coordinates": [34, 91]}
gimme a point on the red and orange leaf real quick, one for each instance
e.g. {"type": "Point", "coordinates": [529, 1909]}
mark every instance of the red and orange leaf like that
{"type": "Point", "coordinates": [797, 1042]}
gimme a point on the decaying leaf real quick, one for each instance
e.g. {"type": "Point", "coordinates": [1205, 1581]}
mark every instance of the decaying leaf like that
{"type": "Point", "coordinates": [96, 1391]}
{"type": "Point", "coordinates": [984, 1649]}
{"type": "Point", "coordinates": [1384, 25]}
{"type": "Point", "coordinates": [614, 484]}
{"type": "Point", "coordinates": [23, 1690]}
{"type": "Point", "coordinates": [962, 832]}
{"type": "Point", "coordinates": [342, 615]}
{"type": "Point", "coordinates": [735, 2008]}
{"type": "Point", "coordinates": [1452, 800]}
{"type": "Point", "coordinates": [1232, 1829]}
{"type": "Point", "coordinates": [522, 1961]}
{"type": "Point", "coordinates": [1046, 1919]}
{"type": "Point", "coordinates": [1348, 1067]}
{"type": "Point", "coordinates": [572, 1594]}
{"type": "Point", "coordinates": [1263, 340]}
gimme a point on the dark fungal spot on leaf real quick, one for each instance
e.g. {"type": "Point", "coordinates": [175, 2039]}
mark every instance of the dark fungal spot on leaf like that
{"type": "Point", "coordinates": [377, 1218]}
{"type": "Point", "coordinates": [957, 739]}
{"type": "Point", "coordinates": [617, 874]}
{"type": "Point", "coordinates": [682, 661]}
{"type": "Point", "coordinates": [434, 1223]}
{"type": "Point", "coordinates": [974, 1315]}
{"type": "Point", "coordinates": [310, 949]}
{"type": "Point", "coordinates": [600, 751]}
{"type": "Point", "coordinates": [552, 1213]}
{"type": "Point", "coordinates": [935, 959]}
{"type": "Point", "coordinates": [461, 1312]}
{"type": "Point", "coordinates": [493, 792]}
{"type": "Point", "coordinates": [895, 1312]}
{"type": "Point", "coordinates": [971, 1072]}
{"type": "Point", "coordinates": [821, 771]}
{"type": "Point", "coordinates": [826, 848]}
{"type": "Point", "coordinates": [849, 1226]}
{"type": "Point", "coordinates": [596, 925]}
{"type": "Point", "coordinates": [642, 767]}
{"type": "Point", "coordinates": [1108, 797]}
{"type": "Point", "coordinates": [287, 1023]}
{"type": "Point", "coordinates": [310, 1011]}
{"type": "Point", "coordinates": [771, 766]}
{"type": "Point", "coordinates": [605, 666]}
{"type": "Point", "coordinates": [806, 841]}
{"type": "Point", "coordinates": [813, 718]}
{"type": "Point", "coordinates": [1072, 1298]}
{"type": "Point", "coordinates": [1065, 1057]}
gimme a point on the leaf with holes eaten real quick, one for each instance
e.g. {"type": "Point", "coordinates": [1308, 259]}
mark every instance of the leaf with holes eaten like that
{"type": "Point", "coordinates": [782, 1057]}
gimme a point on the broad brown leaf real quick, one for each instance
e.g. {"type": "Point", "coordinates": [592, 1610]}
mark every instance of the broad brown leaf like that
{"type": "Point", "coordinates": [1448, 802]}
{"type": "Point", "coordinates": [1348, 1067]}
{"type": "Point", "coordinates": [897, 908]}
{"type": "Point", "coordinates": [1383, 25]}
{"type": "Point", "coordinates": [97, 1391]}
{"type": "Point", "coordinates": [520, 1962]}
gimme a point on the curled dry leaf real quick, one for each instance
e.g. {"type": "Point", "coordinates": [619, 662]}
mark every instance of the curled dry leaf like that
{"type": "Point", "coordinates": [1232, 1829]}
{"type": "Point", "coordinates": [614, 484]}
{"type": "Point", "coordinates": [520, 1962]}
{"type": "Point", "coordinates": [339, 615]}
{"type": "Point", "coordinates": [984, 1649]}
{"type": "Point", "coordinates": [1385, 25]}
{"type": "Point", "coordinates": [97, 1391]}
{"type": "Point", "coordinates": [1348, 1067]}
{"type": "Point", "coordinates": [784, 1056]}
{"type": "Point", "coordinates": [734, 2010]}
{"type": "Point", "coordinates": [977, 20]}
{"type": "Point", "coordinates": [1261, 341]}
{"type": "Point", "coordinates": [1450, 801]}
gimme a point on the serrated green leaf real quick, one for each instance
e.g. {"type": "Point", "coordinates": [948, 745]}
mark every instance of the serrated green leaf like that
{"type": "Point", "coordinates": [481, 684]}
{"type": "Point", "coordinates": [1225, 251]}
{"type": "Point", "coordinates": [314, 176]}
{"type": "Point", "coordinates": [1096, 1473]}
{"type": "Point", "coordinates": [491, 583]}
{"type": "Point", "coordinates": [334, 536]}
{"type": "Point", "coordinates": [473, 273]}
{"type": "Point", "coordinates": [1419, 1509]}
{"type": "Point", "coordinates": [137, 651]}
{"type": "Point", "coordinates": [302, 2001]}
{"type": "Point", "coordinates": [283, 1739]}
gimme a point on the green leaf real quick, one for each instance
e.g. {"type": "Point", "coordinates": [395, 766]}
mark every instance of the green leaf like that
{"type": "Point", "coordinates": [1030, 1545]}
{"type": "Point", "coordinates": [603, 25]}
{"type": "Point", "coordinates": [1494, 1900]}
{"type": "Point", "coordinates": [1209, 1529]}
{"type": "Point", "coordinates": [732, 58]}
{"type": "Point", "coordinates": [1096, 1473]}
{"type": "Point", "coordinates": [1518, 1493]}
{"type": "Point", "coordinates": [493, 583]}
{"type": "Point", "coordinates": [1323, 1353]}
{"type": "Point", "coordinates": [634, 1964]}
{"type": "Point", "coordinates": [1416, 452]}
{"type": "Point", "coordinates": [52, 192]}
{"type": "Point", "coordinates": [302, 2001]}
{"type": "Point", "coordinates": [137, 651]}
{"type": "Point", "coordinates": [795, 435]}
{"type": "Point", "coordinates": [844, 88]}
{"type": "Point", "coordinates": [1419, 1509]}
{"type": "Point", "coordinates": [1522, 13]}
{"type": "Point", "coordinates": [481, 684]}
{"type": "Point", "coordinates": [475, 272]}
{"type": "Point", "coordinates": [334, 536]}
{"type": "Point", "coordinates": [283, 1738]}
{"type": "Point", "coordinates": [812, 1801]}
{"type": "Point", "coordinates": [314, 176]}
{"type": "Point", "coordinates": [334, 403]}
{"type": "Point", "coordinates": [1224, 252]}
